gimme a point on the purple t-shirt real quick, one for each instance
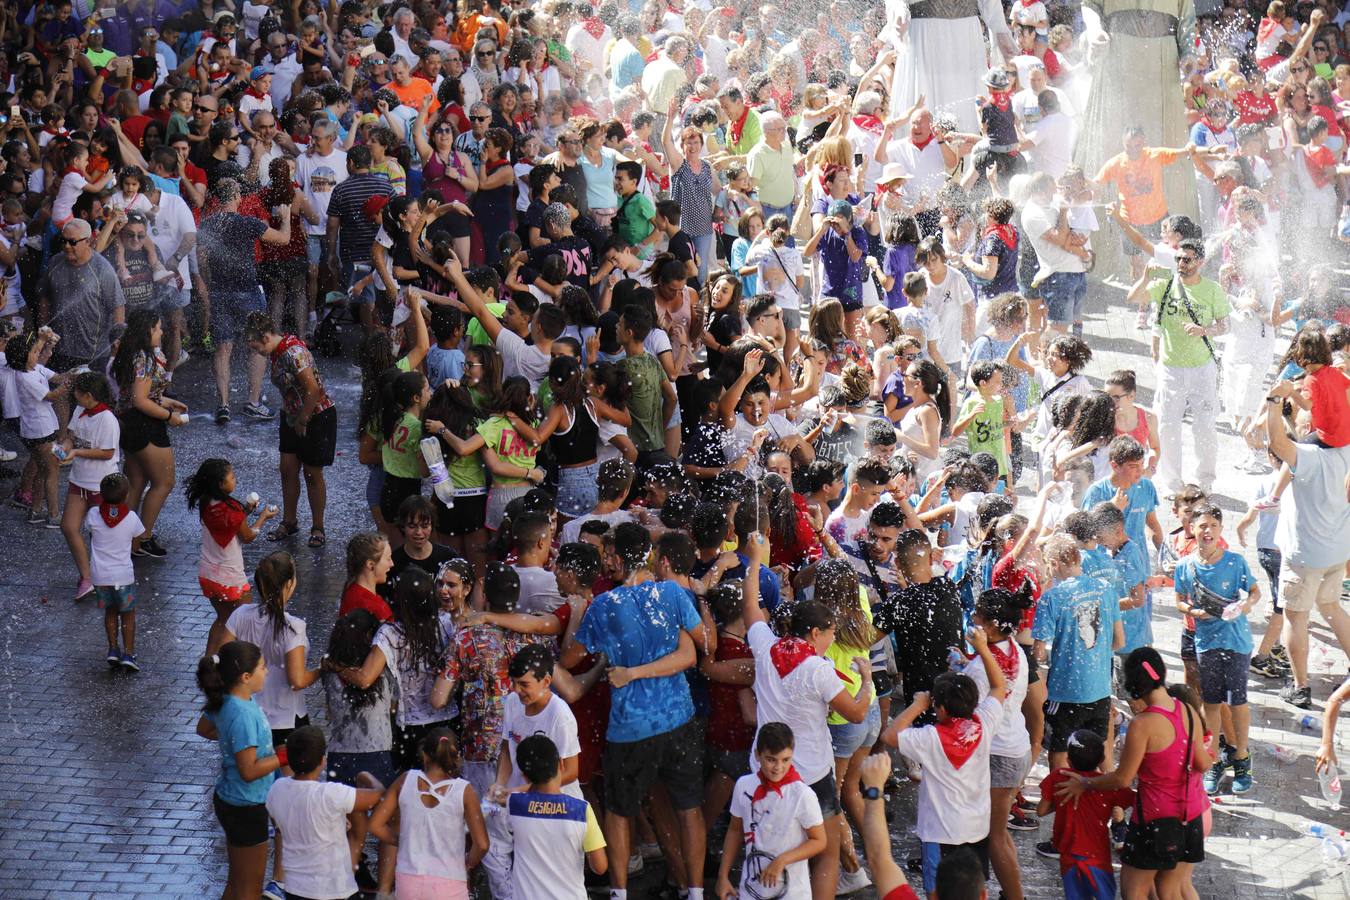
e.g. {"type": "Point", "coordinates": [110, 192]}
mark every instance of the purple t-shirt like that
{"type": "Point", "coordinates": [841, 277]}
{"type": "Point", "coordinates": [898, 263]}
{"type": "Point", "coordinates": [1005, 277]}
{"type": "Point", "coordinates": [895, 387]}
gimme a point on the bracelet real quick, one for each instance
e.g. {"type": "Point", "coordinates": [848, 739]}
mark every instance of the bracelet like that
{"type": "Point", "coordinates": [1270, 399]}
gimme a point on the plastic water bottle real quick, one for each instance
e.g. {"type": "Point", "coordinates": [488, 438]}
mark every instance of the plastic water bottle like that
{"type": "Point", "coordinates": [1281, 753]}
{"type": "Point", "coordinates": [1308, 723]}
{"type": "Point", "coordinates": [59, 452]}
{"type": "Point", "coordinates": [956, 660]}
{"type": "Point", "coordinates": [1333, 852]}
{"type": "Point", "coordinates": [1329, 780]}
{"type": "Point", "coordinates": [1318, 830]}
{"type": "Point", "coordinates": [440, 478]}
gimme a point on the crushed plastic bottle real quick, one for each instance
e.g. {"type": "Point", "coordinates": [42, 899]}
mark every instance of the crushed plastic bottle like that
{"type": "Point", "coordinates": [1319, 830]}
{"type": "Point", "coordinates": [956, 659]}
{"type": "Point", "coordinates": [1308, 723]}
{"type": "Point", "coordinates": [1329, 780]}
{"type": "Point", "coordinates": [1282, 753]}
{"type": "Point", "coordinates": [437, 474]}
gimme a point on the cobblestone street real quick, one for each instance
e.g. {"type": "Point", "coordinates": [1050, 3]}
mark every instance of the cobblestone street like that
{"type": "Point", "coordinates": [105, 787]}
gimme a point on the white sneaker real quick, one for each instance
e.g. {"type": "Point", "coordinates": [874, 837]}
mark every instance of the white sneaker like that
{"type": "Point", "coordinates": [7, 455]}
{"type": "Point", "coordinates": [650, 851]}
{"type": "Point", "coordinates": [635, 864]}
{"type": "Point", "coordinates": [852, 881]}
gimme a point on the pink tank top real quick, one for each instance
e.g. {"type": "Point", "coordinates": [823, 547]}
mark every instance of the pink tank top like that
{"type": "Point", "coordinates": [1162, 784]}
{"type": "Point", "coordinates": [434, 172]}
{"type": "Point", "coordinates": [1140, 430]}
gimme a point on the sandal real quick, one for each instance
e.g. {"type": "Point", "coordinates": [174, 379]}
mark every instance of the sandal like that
{"type": "Point", "coordinates": [283, 531]}
{"type": "Point", "coordinates": [317, 538]}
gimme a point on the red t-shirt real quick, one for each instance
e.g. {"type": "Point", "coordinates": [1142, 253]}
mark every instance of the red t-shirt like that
{"type": "Point", "coordinates": [1252, 109]}
{"type": "Point", "coordinates": [1080, 832]}
{"type": "Point", "coordinates": [1009, 576]}
{"type": "Point", "coordinates": [1321, 163]}
{"type": "Point", "coordinates": [903, 892]}
{"type": "Point", "coordinates": [727, 730]}
{"type": "Point", "coordinates": [591, 712]}
{"type": "Point", "coordinates": [356, 597]}
{"type": "Point", "coordinates": [1330, 408]}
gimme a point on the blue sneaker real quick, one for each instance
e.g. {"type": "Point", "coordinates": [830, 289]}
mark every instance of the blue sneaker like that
{"type": "Point", "coordinates": [129, 662]}
{"type": "Point", "coordinates": [114, 657]}
{"type": "Point", "coordinates": [274, 891]}
{"type": "Point", "coordinates": [1213, 777]}
{"type": "Point", "coordinates": [1242, 775]}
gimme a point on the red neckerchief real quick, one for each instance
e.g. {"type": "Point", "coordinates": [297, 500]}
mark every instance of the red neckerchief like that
{"type": "Point", "coordinates": [69, 169]}
{"type": "Point", "coordinates": [959, 739]}
{"type": "Point", "coordinates": [1215, 130]}
{"type": "Point", "coordinates": [1267, 26]}
{"type": "Point", "coordinates": [765, 785]}
{"type": "Point", "coordinates": [93, 410]}
{"type": "Point", "coordinates": [222, 520]}
{"type": "Point", "coordinates": [922, 145]}
{"type": "Point", "coordinates": [1006, 233]}
{"type": "Point", "coordinates": [790, 652]}
{"type": "Point", "coordinates": [738, 127]}
{"type": "Point", "coordinates": [1002, 100]}
{"type": "Point", "coordinates": [113, 513]}
{"type": "Point", "coordinates": [594, 27]}
{"type": "Point", "coordinates": [286, 343]}
{"type": "Point", "coordinates": [255, 93]}
{"type": "Point", "coordinates": [1008, 661]}
{"type": "Point", "coordinates": [496, 164]}
{"type": "Point", "coordinates": [869, 123]}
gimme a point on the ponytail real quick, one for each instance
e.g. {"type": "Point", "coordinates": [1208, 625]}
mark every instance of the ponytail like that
{"type": "Point", "coordinates": [1003, 608]}
{"type": "Point", "coordinates": [439, 747]}
{"type": "Point", "coordinates": [271, 577]}
{"type": "Point", "coordinates": [398, 395]}
{"type": "Point", "coordinates": [218, 674]}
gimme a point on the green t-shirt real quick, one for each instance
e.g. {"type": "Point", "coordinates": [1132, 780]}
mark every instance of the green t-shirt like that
{"type": "Point", "coordinates": [510, 446]}
{"type": "Point", "coordinates": [633, 221]}
{"type": "Point", "coordinates": [100, 58]}
{"type": "Point", "coordinates": [466, 472]}
{"type": "Point", "coordinates": [645, 405]}
{"type": "Point", "coordinates": [400, 454]}
{"type": "Point", "coordinates": [1179, 349]}
{"type": "Point", "coordinates": [985, 433]}
{"type": "Point", "coordinates": [475, 328]}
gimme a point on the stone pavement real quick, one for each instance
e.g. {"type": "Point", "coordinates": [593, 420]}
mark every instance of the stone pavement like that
{"type": "Point", "coordinates": [105, 788]}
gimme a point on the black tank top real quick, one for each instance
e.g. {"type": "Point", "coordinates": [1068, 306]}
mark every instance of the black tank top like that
{"type": "Point", "coordinates": [578, 443]}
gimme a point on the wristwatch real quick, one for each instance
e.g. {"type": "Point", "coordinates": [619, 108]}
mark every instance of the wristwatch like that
{"type": "Point", "coordinates": [871, 793]}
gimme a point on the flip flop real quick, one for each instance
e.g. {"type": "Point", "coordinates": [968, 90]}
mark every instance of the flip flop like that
{"type": "Point", "coordinates": [283, 531]}
{"type": "Point", "coordinates": [317, 538]}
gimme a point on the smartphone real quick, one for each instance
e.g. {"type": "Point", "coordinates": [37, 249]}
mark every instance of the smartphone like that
{"type": "Point", "coordinates": [367, 50]}
{"type": "Point", "coordinates": [857, 159]}
{"type": "Point", "coordinates": [13, 112]}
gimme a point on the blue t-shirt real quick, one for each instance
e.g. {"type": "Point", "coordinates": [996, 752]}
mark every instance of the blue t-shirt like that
{"type": "Point", "coordinates": [770, 591]}
{"type": "Point", "coordinates": [1005, 276]}
{"type": "Point", "coordinates": [1227, 576]}
{"type": "Point", "coordinates": [740, 249]}
{"type": "Point", "coordinates": [637, 625]}
{"type": "Point", "coordinates": [443, 364]}
{"type": "Point", "coordinates": [1131, 564]}
{"type": "Point", "coordinates": [1142, 497]}
{"type": "Point", "coordinates": [841, 277]}
{"type": "Point", "coordinates": [898, 262]}
{"type": "Point", "coordinates": [241, 724]}
{"type": "Point", "coordinates": [1078, 617]}
{"type": "Point", "coordinates": [987, 348]}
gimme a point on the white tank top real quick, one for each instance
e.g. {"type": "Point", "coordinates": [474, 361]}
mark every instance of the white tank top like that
{"type": "Point", "coordinates": [431, 839]}
{"type": "Point", "coordinates": [912, 428]}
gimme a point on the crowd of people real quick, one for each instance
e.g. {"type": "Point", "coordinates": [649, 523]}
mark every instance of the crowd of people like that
{"type": "Point", "coordinates": [725, 414]}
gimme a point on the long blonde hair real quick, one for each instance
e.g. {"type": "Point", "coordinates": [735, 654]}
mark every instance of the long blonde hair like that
{"type": "Point", "coordinates": [834, 150]}
{"type": "Point", "coordinates": [837, 589]}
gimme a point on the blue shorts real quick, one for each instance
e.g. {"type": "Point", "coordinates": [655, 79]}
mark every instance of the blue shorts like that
{"type": "Point", "coordinates": [230, 309]}
{"type": "Point", "coordinates": [578, 490]}
{"type": "Point", "coordinates": [1223, 676]}
{"type": "Point", "coordinates": [120, 599]}
{"type": "Point", "coordinates": [314, 248]}
{"type": "Point", "coordinates": [1063, 293]}
{"type": "Point", "coordinates": [344, 767]}
{"type": "Point", "coordinates": [848, 738]}
{"type": "Point", "coordinates": [354, 272]}
{"type": "Point", "coordinates": [932, 854]}
{"type": "Point", "coordinates": [1086, 882]}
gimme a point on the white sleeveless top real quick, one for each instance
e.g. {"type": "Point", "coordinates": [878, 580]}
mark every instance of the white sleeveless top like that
{"type": "Point", "coordinates": [431, 839]}
{"type": "Point", "coordinates": [911, 427]}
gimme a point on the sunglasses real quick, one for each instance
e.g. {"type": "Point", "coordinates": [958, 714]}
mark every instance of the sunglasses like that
{"type": "Point", "coordinates": [444, 129]}
{"type": "Point", "coordinates": [480, 118]}
{"type": "Point", "coordinates": [911, 357]}
{"type": "Point", "coordinates": [199, 108]}
{"type": "Point", "coordinates": [379, 62]}
{"type": "Point", "coordinates": [135, 235]}
{"type": "Point", "coordinates": [74, 242]}
{"type": "Point", "coordinates": [485, 54]}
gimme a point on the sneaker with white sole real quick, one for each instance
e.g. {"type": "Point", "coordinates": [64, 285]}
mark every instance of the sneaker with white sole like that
{"type": "Point", "coordinates": [274, 890]}
{"type": "Point", "coordinates": [114, 657]}
{"type": "Point", "coordinates": [635, 864]}
{"type": "Point", "coordinates": [183, 356]}
{"type": "Point", "coordinates": [1047, 849]}
{"type": "Point", "coordinates": [129, 663]}
{"type": "Point", "coordinates": [84, 589]}
{"type": "Point", "coordinates": [849, 882]}
{"type": "Point", "coordinates": [7, 455]}
{"type": "Point", "coordinates": [259, 411]}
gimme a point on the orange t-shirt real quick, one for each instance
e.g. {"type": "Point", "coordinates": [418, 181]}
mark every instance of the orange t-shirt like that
{"type": "Point", "coordinates": [411, 94]}
{"type": "Point", "coordinates": [1140, 183]}
{"type": "Point", "coordinates": [467, 30]}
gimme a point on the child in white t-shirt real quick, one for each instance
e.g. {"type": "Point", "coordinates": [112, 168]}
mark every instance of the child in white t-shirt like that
{"type": "Point", "coordinates": [312, 817]}
{"type": "Point", "coordinates": [13, 233]}
{"type": "Point", "coordinates": [37, 386]}
{"type": "Point", "coordinates": [74, 181]}
{"type": "Point", "coordinates": [1032, 13]}
{"type": "Point", "coordinates": [533, 708]}
{"type": "Point", "coordinates": [92, 452]}
{"type": "Point", "coordinates": [128, 196]}
{"type": "Point", "coordinates": [112, 527]}
{"type": "Point", "coordinates": [954, 755]}
{"type": "Point", "coordinates": [777, 817]}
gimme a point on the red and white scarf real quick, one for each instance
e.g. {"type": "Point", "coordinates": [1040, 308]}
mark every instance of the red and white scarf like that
{"type": "Point", "coordinates": [113, 514]}
{"type": "Point", "coordinates": [222, 520]}
{"type": "Point", "coordinates": [960, 738]}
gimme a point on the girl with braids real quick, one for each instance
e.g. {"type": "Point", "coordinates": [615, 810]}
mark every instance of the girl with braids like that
{"type": "Point", "coordinates": [283, 641]}
{"type": "Point", "coordinates": [225, 529]}
{"type": "Point", "coordinates": [452, 410]}
{"type": "Point", "coordinates": [360, 732]}
{"type": "Point", "coordinates": [797, 685]}
{"type": "Point", "coordinates": [837, 589]}
{"type": "Point", "coordinates": [925, 422]}
{"type": "Point", "coordinates": [1092, 432]}
{"type": "Point", "coordinates": [413, 646]}
{"type": "Point", "coordinates": [404, 400]}
{"type": "Point", "coordinates": [142, 376]}
{"type": "Point", "coordinates": [248, 763]}
{"type": "Point", "coordinates": [572, 431]}
{"type": "Point", "coordinates": [999, 613]}
{"type": "Point", "coordinates": [369, 560]}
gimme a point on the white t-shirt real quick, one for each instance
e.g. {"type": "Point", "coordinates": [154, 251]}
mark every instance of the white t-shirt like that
{"type": "Point", "coordinates": [284, 74]}
{"type": "Point", "coordinates": [787, 264]}
{"type": "Point", "coordinates": [97, 432]}
{"type": "Point", "coordinates": [802, 702]}
{"type": "Point", "coordinates": [250, 623]}
{"type": "Point", "coordinates": [223, 565]}
{"type": "Point", "coordinates": [520, 358]}
{"type": "Point", "coordinates": [572, 530]}
{"type": "Point", "coordinates": [927, 169]}
{"type": "Point", "coordinates": [1010, 737]}
{"type": "Point", "coordinates": [945, 303]}
{"type": "Point", "coordinates": [555, 721]}
{"type": "Point", "coordinates": [414, 687]}
{"type": "Point", "coordinates": [742, 433]}
{"type": "Point", "coordinates": [1036, 222]}
{"type": "Point", "coordinates": [538, 590]}
{"type": "Point", "coordinates": [37, 416]}
{"type": "Point", "coordinates": [953, 803]}
{"type": "Point", "coordinates": [775, 824]}
{"type": "Point", "coordinates": [1315, 517]}
{"type": "Point", "coordinates": [313, 817]}
{"type": "Point", "coordinates": [9, 390]}
{"type": "Point", "coordinates": [1053, 137]}
{"type": "Point", "coordinates": [110, 549]}
{"type": "Point", "coordinates": [72, 185]}
{"type": "Point", "coordinates": [12, 288]}
{"type": "Point", "coordinates": [171, 223]}
{"type": "Point", "coordinates": [305, 165]}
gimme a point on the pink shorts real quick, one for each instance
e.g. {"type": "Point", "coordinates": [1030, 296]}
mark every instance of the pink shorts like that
{"type": "Point", "coordinates": [223, 593]}
{"type": "Point", "coordinates": [429, 887]}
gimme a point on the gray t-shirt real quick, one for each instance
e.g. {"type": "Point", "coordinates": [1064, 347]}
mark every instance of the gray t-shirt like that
{"type": "Point", "coordinates": [363, 729]}
{"type": "Point", "coordinates": [82, 301]}
{"type": "Point", "coordinates": [1315, 518]}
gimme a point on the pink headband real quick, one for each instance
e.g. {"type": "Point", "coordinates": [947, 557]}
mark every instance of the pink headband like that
{"type": "Point", "coordinates": [1152, 674]}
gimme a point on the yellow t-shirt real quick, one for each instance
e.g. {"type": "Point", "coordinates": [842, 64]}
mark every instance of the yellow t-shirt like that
{"type": "Point", "coordinates": [842, 657]}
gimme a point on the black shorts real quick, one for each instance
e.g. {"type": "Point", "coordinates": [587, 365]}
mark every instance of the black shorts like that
{"type": "Point", "coordinates": [1188, 645]}
{"type": "Point", "coordinates": [245, 826]}
{"type": "Point", "coordinates": [468, 515]}
{"type": "Point", "coordinates": [279, 735]}
{"type": "Point", "coordinates": [140, 431]}
{"type": "Point", "coordinates": [827, 793]}
{"type": "Point", "coordinates": [1033, 665]}
{"type": "Point", "coordinates": [675, 758]}
{"type": "Point", "coordinates": [318, 445]}
{"type": "Point", "coordinates": [1063, 719]}
{"type": "Point", "coordinates": [1137, 853]}
{"type": "Point", "coordinates": [455, 224]}
{"type": "Point", "coordinates": [34, 443]}
{"type": "Point", "coordinates": [407, 750]}
{"type": "Point", "coordinates": [395, 490]}
{"type": "Point", "coordinates": [1223, 676]}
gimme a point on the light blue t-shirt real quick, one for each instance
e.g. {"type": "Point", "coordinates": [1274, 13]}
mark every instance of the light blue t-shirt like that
{"type": "Point", "coordinates": [740, 249]}
{"type": "Point", "coordinates": [443, 364]}
{"type": "Point", "coordinates": [1131, 563]}
{"type": "Point", "coordinates": [1143, 499]}
{"type": "Point", "coordinates": [241, 724]}
{"type": "Point", "coordinates": [1314, 517]}
{"type": "Point", "coordinates": [637, 625]}
{"type": "Point", "coordinates": [1267, 519]}
{"type": "Point", "coordinates": [600, 180]}
{"type": "Point", "coordinates": [626, 65]}
{"type": "Point", "coordinates": [1229, 577]}
{"type": "Point", "coordinates": [1078, 617]}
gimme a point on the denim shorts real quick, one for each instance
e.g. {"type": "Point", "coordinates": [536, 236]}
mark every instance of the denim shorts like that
{"type": "Point", "coordinates": [230, 309]}
{"type": "Point", "coordinates": [354, 272]}
{"type": "Point", "coordinates": [1223, 676]}
{"type": "Point", "coordinates": [1270, 560]}
{"type": "Point", "coordinates": [578, 490]}
{"type": "Point", "coordinates": [848, 737]}
{"type": "Point", "coordinates": [1064, 293]}
{"type": "Point", "coordinates": [932, 853]}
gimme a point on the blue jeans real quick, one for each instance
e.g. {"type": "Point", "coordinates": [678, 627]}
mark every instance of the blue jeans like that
{"type": "Point", "coordinates": [1063, 293]}
{"type": "Point", "coordinates": [703, 245]}
{"type": "Point", "coordinates": [771, 211]}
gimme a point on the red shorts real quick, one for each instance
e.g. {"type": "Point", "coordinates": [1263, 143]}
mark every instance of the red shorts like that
{"type": "Point", "coordinates": [93, 498]}
{"type": "Point", "coordinates": [220, 593]}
